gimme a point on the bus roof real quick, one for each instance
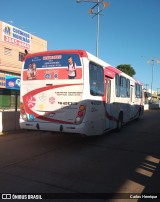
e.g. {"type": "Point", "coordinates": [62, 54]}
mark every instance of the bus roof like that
{"type": "Point", "coordinates": [82, 53]}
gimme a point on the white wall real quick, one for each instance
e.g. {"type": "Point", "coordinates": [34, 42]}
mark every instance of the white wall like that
{"type": "Point", "coordinates": [9, 121]}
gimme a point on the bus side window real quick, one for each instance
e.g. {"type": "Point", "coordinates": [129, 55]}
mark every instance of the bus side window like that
{"type": "Point", "coordinates": [123, 86]}
{"type": "Point", "coordinates": [117, 81]}
{"type": "Point", "coordinates": [96, 80]}
{"type": "Point", "coordinates": [108, 88]}
{"type": "Point", "coordinates": [138, 91]}
{"type": "Point", "coordinates": [128, 88]}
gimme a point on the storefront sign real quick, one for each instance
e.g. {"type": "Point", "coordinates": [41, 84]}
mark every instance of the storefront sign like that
{"type": "Point", "coordinates": [13, 82]}
{"type": "Point", "coordinates": [16, 36]}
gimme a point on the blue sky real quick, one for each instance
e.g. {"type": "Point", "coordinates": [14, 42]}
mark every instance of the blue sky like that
{"type": "Point", "coordinates": [129, 29]}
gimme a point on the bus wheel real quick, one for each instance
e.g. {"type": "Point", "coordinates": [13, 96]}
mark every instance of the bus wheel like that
{"type": "Point", "coordinates": [119, 122]}
{"type": "Point", "coordinates": [139, 114]}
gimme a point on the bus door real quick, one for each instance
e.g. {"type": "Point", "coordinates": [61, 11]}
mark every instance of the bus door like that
{"type": "Point", "coordinates": [108, 107]}
{"type": "Point", "coordinates": [132, 94]}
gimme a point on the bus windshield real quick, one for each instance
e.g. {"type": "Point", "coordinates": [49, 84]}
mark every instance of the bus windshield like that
{"type": "Point", "coordinates": [53, 66]}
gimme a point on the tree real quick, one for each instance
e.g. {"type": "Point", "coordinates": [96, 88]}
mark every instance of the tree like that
{"type": "Point", "coordinates": [127, 69]}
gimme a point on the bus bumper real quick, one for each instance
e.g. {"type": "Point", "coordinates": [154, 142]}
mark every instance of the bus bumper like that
{"type": "Point", "coordinates": [63, 128]}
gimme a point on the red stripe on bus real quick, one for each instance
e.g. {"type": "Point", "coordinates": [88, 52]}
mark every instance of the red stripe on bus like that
{"type": "Point", "coordinates": [32, 93]}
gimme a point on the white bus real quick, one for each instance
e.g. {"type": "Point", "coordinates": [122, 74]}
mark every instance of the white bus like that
{"type": "Point", "coordinates": [75, 92]}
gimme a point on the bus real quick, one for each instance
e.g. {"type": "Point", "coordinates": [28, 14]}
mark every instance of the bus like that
{"type": "Point", "coordinates": [72, 91]}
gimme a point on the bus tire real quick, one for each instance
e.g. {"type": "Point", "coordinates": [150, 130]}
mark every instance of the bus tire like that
{"type": "Point", "coordinates": [139, 114]}
{"type": "Point", "coordinates": [119, 122]}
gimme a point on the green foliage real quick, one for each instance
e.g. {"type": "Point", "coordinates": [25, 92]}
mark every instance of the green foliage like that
{"type": "Point", "coordinates": [127, 69]}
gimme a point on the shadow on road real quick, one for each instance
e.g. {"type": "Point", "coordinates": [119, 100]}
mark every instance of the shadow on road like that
{"type": "Point", "coordinates": [45, 162]}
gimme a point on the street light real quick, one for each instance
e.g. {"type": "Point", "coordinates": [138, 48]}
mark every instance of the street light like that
{"type": "Point", "coordinates": [152, 62]}
{"type": "Point", "coordinates": [97, 5]}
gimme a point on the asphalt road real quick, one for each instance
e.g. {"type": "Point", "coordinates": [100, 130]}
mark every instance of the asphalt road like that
{"type": "Point", "coordinates": [45, 162]}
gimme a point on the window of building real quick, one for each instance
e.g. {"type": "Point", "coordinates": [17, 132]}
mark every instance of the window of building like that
{"type": "Point", "coordinates": [21, 56]}
{"type": "Point", "coordinates": [7, 51]}
{"type": "Point", "coordinates": [96, 80]}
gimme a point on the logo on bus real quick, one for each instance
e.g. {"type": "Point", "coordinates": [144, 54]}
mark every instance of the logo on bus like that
{"type": "Point", "coordinates": [47, 76]}
{"type": "Point", "coordinates": [31, 117]}
{"type": "Point", "coordinates": [52, 100]}
{"type": "Point", "coordinates": [56, 75]}
{"type": "Point", "coordinates": [31, 101]}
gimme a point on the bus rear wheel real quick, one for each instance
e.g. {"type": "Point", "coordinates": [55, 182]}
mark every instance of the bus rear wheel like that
{"type": "Point", "coordinates": [139, 114]}
{"type": "Point", "coordinates": [119, 122]}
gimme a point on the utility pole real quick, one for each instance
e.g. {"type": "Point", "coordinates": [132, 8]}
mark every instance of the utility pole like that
{"type": "Point", "coordinates": [152, 62]}
{"type": "Point", "coordinates": [100, 5]}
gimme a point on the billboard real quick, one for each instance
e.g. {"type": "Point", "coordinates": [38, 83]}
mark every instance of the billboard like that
{"type": "Point", "coordinates": [13, 82]}
{"type": "Point", "coordinates": [16, 36]}
{"type": "Point", "coordinates": [53, 67]}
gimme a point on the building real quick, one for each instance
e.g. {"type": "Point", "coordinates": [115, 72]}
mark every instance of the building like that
{"type": "Point", "coordinates": [14, 43]}
{"type": "Point", "coordinates": [154, 99]}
